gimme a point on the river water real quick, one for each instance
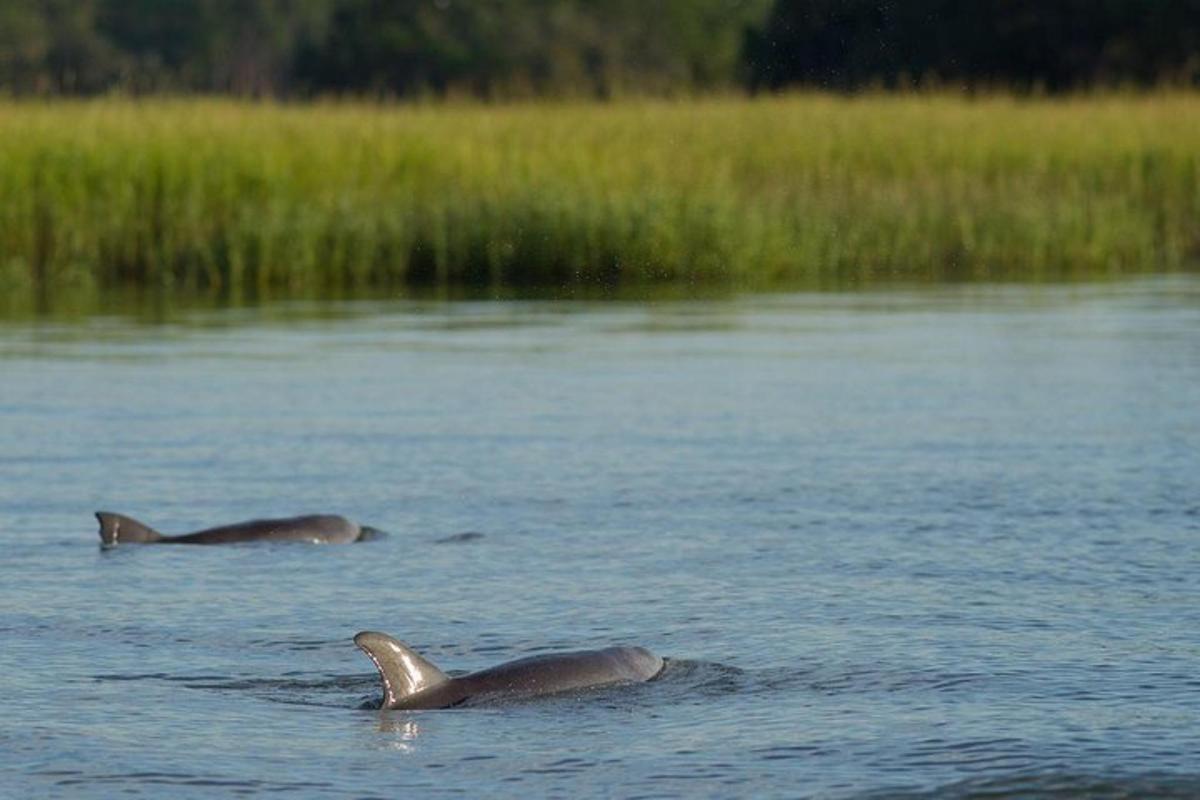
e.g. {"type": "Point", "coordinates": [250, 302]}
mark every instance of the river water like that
{"type": "Point", "coordinates": [932, 542]}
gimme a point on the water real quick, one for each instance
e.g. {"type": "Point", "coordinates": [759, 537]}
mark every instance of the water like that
{"type": "Point", "coordinates": [936, 542]}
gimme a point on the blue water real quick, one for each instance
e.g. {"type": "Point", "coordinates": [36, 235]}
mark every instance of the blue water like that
{"type": "Point", "coordinates": [938, 542]}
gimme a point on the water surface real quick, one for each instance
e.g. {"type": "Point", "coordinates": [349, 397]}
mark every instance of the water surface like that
{"type": "Point", "coordinates": [939, 542]}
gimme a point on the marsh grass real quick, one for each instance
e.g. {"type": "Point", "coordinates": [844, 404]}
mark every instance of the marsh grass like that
{"type": "Point", "coordinates": [203, 195]}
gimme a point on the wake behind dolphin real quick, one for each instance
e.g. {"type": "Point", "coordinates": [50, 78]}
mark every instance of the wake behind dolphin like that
{"type": "Point", "coordinates": [315, 528]}
{"type": "Point", "coordinates": [411, 682]}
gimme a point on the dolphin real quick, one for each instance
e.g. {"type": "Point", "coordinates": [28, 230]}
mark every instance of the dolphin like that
{"type": "Point", "coordinates": [411, 682]}
{"type": "Point", "coordinates": [316, 528]}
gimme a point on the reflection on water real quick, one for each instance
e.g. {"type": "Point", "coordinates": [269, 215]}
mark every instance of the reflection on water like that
{"type": "Point", "coordinates": [399, 731]}
{"type": "Point", "coordinates": [924, 542]}
{"type": "Point", "coordinates": [149, 306]}
{"type": "Point", "coordinates": [156, 307]}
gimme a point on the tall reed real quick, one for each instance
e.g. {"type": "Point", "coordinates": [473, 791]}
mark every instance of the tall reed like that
{"type": "Point", "coordinates": [203, 194]}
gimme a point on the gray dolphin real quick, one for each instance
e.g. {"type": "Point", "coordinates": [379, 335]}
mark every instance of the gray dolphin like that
{"type": "Point", "coordinates": [411, 682]}
{"type": "Point", "coordinates": [316, 528]}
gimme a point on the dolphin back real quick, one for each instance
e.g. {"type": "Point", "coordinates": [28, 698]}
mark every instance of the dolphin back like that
{"type": "Point", "coordinates": [117, 529]}
{"type": "Point", "coordinates": [411, 682]}
{"type": "Point", "coordinates": [565, 672]}
{"type": "Point", "coordinates": [312, 528]}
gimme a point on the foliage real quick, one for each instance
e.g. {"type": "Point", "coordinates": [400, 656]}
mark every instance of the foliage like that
{"type": "Point", "coordinates": [600, 48]}
{"type": "Point", "coordinates": [246, 197]}
{"type": "Point", "coordinates": [393, 47]}
{"type": "Point", "coordinates": [1023, 44]}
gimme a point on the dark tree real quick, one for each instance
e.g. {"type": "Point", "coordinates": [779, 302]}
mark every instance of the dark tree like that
{"type": "Point", "coordinates": [1024, 44]}
{"type": "Point", "coordinates": [529, 46]}
{"type": "Point", "coordinates": [282, 47]}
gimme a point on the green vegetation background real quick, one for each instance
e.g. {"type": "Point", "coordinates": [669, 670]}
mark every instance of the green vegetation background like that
{"type": "Point", "coordinates": [604, 48]}
{"type": "Point", "coordinates": [815, 189]}
{"type": "Point", "coordinates": [589, 144]}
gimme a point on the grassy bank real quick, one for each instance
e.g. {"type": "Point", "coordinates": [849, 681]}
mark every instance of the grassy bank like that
{"type": "Point", "coordinates": [812, 189]}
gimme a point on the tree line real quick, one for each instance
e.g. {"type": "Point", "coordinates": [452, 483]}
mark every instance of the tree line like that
{"type": "Point", "coordinates": [1052, 45]}
{"type": "Point", "coordinates": [505, 48]}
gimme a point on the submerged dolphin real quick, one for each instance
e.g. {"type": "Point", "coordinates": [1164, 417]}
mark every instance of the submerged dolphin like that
{"type": "Point", "coordinates": [411, 682]}
{"type": "Point", "coordinates": [317, 528]}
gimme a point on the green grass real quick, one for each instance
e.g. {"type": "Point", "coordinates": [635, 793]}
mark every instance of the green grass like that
{"type": "Point", "coordinates": [208, 195]}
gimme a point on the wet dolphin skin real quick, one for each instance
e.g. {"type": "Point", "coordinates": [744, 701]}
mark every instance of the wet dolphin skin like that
{"type": "Point", "coordinates": [411, 682]}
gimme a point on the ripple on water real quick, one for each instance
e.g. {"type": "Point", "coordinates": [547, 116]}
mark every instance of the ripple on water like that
{"type": "Point", "coordinates": [1056, 786]}
{"type": "Point", "coordinates": [921, 550]}
{"type": "Point", "coordinates": [131, 781]}
{"type": "Point", "coordinates": [332, 691]}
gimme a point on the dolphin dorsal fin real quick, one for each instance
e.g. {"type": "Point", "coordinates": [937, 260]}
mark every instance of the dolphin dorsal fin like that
{"type": "Point", "coordinates": [403, 670]}
{"type": "Point", "coordinates": [118, 528]}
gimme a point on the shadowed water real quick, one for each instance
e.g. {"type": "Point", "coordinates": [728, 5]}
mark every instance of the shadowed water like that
{"type": "Point", "coordinates": [934, 543]}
